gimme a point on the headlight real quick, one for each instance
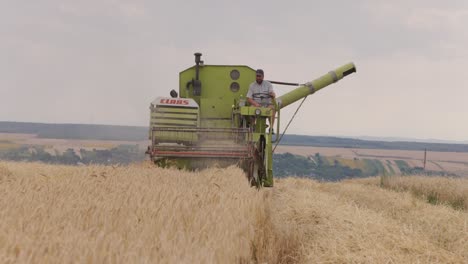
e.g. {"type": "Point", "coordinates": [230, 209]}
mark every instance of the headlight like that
{"type": "Point", "coordinates": [258, 111]}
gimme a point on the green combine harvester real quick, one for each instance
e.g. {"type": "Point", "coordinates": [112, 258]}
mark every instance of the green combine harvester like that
{"type": "Point", "coordinates": [209, 123]}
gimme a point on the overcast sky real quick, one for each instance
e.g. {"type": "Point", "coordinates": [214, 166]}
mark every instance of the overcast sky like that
{"type": "Point", "coordinates": [104, 61]}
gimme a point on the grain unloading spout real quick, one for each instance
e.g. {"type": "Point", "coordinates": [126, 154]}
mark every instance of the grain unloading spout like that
{"type": "Point", "coordinates": [315, 85]}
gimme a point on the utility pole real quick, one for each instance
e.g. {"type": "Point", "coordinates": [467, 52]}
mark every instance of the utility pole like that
{"type": "Point", "coordinates": [425, 152]}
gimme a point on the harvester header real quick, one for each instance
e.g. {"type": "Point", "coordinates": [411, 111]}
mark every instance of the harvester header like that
{"type": "Point", "coordinates": [209, 122]}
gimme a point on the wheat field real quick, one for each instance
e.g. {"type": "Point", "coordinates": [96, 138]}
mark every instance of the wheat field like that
{"type": "Point", "coordinates": [143, 214]}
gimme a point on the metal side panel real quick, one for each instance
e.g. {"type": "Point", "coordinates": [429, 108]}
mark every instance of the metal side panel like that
{"type": "Point", "coordinates": [216, 107]}
{"type": "Point", "coordinates": [174, 113]}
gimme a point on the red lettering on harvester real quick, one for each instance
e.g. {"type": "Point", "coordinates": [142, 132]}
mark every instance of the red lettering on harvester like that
{"type": "Point", "coordinates": [175, 101]}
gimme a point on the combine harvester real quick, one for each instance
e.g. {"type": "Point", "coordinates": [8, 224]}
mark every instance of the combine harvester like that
{"type": "Point", "coordinates": [209, 122]}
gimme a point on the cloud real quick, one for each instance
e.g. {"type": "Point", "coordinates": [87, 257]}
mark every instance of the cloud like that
{"type": "Point", "coordinates": [432, 19]}
{"type": "Point", "coordinates": [103, 61]}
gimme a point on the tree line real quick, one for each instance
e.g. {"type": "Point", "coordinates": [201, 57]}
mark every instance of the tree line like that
{"type": "Point", "coordinates": [122, 154]}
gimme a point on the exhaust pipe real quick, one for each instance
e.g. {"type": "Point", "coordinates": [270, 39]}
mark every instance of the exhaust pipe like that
{"type": "Point", "coordinates": [197, 86]}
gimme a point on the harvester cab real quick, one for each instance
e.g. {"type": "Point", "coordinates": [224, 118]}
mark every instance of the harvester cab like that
{"type": "Point", "coordinates": [209, 122]}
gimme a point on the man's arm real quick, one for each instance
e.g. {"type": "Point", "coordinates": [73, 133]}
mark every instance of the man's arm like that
{"type": "Point", "coordinates": [271, 91]}
{"type": "Point", "coordinates": [252, 102]}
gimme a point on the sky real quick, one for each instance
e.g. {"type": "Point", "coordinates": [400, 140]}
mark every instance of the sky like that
{"type": "Point", "coordinates": [104, 61]}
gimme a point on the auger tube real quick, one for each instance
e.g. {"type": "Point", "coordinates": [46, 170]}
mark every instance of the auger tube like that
{"type": "Point", "coordinates": [315, 85]}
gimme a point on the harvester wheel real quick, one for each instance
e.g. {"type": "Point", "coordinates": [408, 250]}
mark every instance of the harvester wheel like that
{"type": "Point", "coordinates": [253, 174]}
{"type": "Point", "coordinates": [256, 176]}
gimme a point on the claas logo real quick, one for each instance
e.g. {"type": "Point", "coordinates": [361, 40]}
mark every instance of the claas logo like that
{"type": "Point", "coordinates": [175, 101]}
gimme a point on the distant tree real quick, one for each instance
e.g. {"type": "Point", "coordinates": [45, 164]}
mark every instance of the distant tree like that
{"type": "Point", "coordinates": [39, 154]}
{"type": "Point", "coordinates": [69, 157]}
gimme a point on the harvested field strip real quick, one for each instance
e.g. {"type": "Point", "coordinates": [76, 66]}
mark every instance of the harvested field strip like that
{"type": "Point", "coordinates": [391, 171]}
